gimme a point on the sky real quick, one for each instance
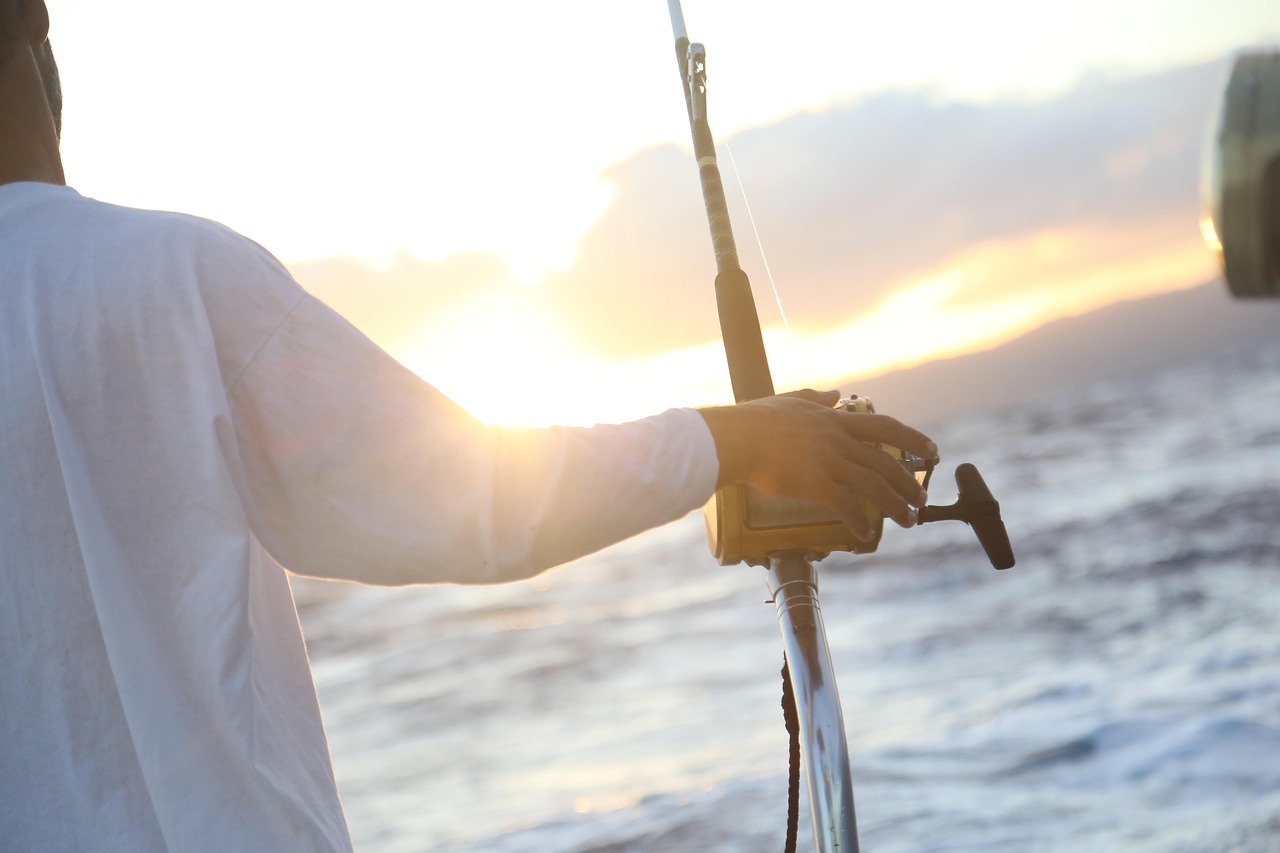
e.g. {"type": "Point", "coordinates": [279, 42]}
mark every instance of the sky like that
{"type": "Point", "coordinates": [502, 193]}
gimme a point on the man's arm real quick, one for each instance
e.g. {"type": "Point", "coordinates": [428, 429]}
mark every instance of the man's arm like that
{"type": "Point", "coordinates": [355, 468]}
{"type": "Point", "coordinates": [798, 446]}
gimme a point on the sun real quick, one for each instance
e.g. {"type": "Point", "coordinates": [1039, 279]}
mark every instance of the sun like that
{"type": "Point", "coordinates": [506, 360]}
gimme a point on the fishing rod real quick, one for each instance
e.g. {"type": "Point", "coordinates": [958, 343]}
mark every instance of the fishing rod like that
{"type": "Point", "coordinates": [739, 323]}
{"type": "Point", "coordinates": [787, 537]}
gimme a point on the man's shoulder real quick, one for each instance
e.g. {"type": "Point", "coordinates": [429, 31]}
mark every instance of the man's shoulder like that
{"type": "Point", "coordinates": [214, 253]}
{"type": "Point", "coordinates": [196, 233]}
{"type": "Point", "coordinates": [242, 290]}
{"type": "Point", "coordinates": [53, 216]}
{"type": "Point", "coordinates": [153, 254]}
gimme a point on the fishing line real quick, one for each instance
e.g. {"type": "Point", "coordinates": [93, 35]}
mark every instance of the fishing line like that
{"type": "Point", "coordinates": [742, 189]}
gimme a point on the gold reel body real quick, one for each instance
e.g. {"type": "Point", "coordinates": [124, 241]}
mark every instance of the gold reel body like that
{"type": "Point", "coordinates": [747, 525]}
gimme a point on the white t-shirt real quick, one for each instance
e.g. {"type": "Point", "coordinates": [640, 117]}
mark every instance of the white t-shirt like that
{"type": "Point", "coordinates": [178, 420]}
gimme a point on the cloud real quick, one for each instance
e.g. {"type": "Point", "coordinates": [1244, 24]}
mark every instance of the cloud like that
{"type": "Point", "coordinates": [396, 304]}
{"type": "Point", "coordinates": [854, 203]}
{"type": "Point", "coordinates": [642, 278]}
{"type": "Point", "coordinates": [854, 200]}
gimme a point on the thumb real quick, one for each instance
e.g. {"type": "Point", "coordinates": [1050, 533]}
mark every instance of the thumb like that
{"type": "Point", "coordinates": [822, 398]}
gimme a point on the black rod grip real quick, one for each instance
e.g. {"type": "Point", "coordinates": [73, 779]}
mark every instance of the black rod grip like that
{"type": "Point", "coordinates": [743, 341]}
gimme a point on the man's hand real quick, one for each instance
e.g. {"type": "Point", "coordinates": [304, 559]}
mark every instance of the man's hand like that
{"type": "Point", "coordinates": [798, 446]}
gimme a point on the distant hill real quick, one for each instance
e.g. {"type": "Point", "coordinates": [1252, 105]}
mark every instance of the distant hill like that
{"type": "Point", "coordinates": [1126, 338]}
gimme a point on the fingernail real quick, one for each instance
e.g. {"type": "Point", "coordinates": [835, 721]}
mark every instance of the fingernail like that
{"type": "Point", "coordinates": [922, 498]}
{"type": "Point", "coordinates": [911, 519]}
{"type": "Point", "coordinates": [865, 535]}
{"type": "Point", "coordinates": [931, 449]}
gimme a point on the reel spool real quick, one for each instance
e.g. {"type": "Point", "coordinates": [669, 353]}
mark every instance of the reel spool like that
{"type": "Point", "coordinates": [1240, 178]}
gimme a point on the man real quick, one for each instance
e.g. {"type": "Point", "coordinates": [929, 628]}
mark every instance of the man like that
{"type": "Point", "coordinates": [179, 421]}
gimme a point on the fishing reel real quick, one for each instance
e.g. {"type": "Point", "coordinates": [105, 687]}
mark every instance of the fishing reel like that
{"type": "Point", "coordinates": [746, 525]}
{"type": "Point", "coordinates": [1240, 179]}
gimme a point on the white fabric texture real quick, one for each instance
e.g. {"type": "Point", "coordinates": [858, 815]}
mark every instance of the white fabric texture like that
{"type": "Point", "coordinates": [179, 420]}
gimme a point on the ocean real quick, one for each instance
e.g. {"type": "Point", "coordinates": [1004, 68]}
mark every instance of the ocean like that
{"type": "Point", "coordinates": [1118, 690]}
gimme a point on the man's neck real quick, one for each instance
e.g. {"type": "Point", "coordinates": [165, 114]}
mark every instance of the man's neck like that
{"type": "Point", "coordinates": [28, 138]}
{"type": "Point", "coordinates": [17, 165]}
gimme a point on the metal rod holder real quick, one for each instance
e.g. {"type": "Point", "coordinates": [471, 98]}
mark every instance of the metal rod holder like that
{"type": "Point", "coordinates": [793, 580]}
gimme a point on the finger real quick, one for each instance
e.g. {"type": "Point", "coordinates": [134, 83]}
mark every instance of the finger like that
{"type": "Point", "coordinates": [889, 469]}
{"type": "Point", "coordinates": [822, 398]}
{"type": "Point", "coordinates": [889, 430]}
{"type": "Point", "coordinates": [870, 485]}
{"type": "Point", "coordinates": [848, 509]}
{"type": "Point", "coordinates": [856, 521]}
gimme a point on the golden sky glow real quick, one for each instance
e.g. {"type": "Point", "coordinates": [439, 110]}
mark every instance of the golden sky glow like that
{"type": "Point", "coordinates": [508, 363]}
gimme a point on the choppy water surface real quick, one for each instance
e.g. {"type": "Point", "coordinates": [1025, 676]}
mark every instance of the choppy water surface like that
{"type": "Point", "coordinates": [1118, 691]}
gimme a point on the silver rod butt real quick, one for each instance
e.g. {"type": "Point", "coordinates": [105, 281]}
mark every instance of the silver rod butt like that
{"type": "Point", "coordinates": [793, 580]}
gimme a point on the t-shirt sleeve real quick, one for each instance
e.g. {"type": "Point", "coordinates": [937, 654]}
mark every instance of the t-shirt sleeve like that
{"type": "Point", "coordinates": [356, 468]}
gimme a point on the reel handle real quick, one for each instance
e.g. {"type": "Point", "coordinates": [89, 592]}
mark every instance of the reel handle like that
{"type": "Point", "coordinates": [977, 508]}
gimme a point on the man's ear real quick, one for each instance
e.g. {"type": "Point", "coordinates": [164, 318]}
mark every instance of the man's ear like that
{"type": "Point", "coordinates": [34, 18]}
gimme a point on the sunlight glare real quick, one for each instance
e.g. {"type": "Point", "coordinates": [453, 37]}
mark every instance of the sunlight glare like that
{"type": "Point", "coordinates": [508, 360]}
{"type": "Point", "coordinates": [1210, 234]}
